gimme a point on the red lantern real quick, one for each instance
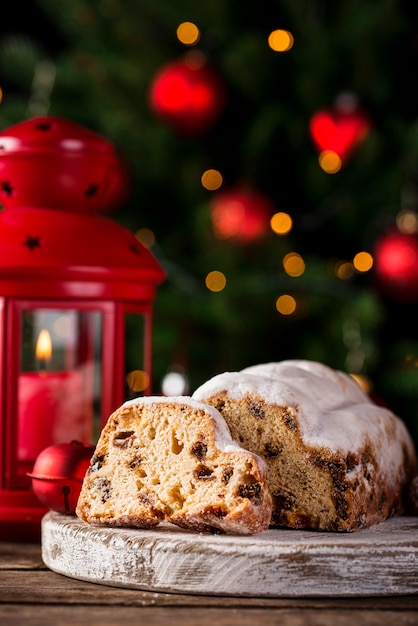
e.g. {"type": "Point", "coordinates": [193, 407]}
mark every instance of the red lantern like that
{"type": "Point", "coordinates": [241, 214]}
{"type": "Point", "coordinates": [76, 294]}
{"type": "Point", "coordinates": [396, 265]}
{"type": "Point", "coordinates": [340, 129]}
{"type": "Point", "coordinates": [58, 474]}
{"type": "Point", "coordinates": [58, 164]}
{"type": "Point", "coordinates": [188, 94]}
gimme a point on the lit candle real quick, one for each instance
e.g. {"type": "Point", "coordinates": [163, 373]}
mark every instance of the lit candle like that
{"type": "Point", "coordinates": [52, 407]}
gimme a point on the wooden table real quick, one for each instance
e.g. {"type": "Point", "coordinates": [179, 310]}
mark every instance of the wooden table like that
{"type": "Point", "coordinates": [32, 595]}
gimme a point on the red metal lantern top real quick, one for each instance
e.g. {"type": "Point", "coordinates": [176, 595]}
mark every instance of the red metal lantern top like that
{"type": "Point", "coordinates": [53, 162]}
{"type": "Point", "coordinates": [49, 253]}
{"type": "Point", "coordinates": [55, 176]}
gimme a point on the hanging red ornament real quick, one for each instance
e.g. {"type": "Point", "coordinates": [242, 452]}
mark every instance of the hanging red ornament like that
{"type": "Point", "coordinates": [396, 265]}
{"type": "Point", "coordinates": [241, 214]}
{"type": "Point", "coordinates": [188, 94]}
{"type": "Point", "coordinates": [340, 129]}
{"type": "Point", "coordinates": [58, 474]}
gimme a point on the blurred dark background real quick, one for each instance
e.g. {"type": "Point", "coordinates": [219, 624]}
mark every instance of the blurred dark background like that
{"type": "Point", "coordinates": [96, 63]}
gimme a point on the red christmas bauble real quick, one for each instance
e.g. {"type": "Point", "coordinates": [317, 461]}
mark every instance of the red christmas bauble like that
{"type": "Point", "coordinates": [241, 214]}
{"type": "Point", "coordinates": [58, 474]}
{"type": "Point", "coordinates": [188, 94]}
{"type": "Point", "coordinates": [396, 265]}
{"type": "Point", "coordinates": [52, 162]}
{"type": "Point", "coordinates": [340, 129]}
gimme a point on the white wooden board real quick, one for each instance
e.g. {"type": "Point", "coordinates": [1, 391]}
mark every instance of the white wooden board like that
{"type": "Point", "coordinates": [382, 560]}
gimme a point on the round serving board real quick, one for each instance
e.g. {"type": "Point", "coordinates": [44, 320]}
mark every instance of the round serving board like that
{"type": "Point", "coordinates": [382, 560]}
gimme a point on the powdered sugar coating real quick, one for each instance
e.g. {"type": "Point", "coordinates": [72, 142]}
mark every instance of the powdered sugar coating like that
{"type": "Point", "coordinates": [224, 440]}
{"type": "Point", "coordinates": [331, 409]}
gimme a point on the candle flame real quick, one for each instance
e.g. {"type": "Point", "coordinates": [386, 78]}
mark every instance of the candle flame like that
{"type": "Point", "coordinates": [44, 346]}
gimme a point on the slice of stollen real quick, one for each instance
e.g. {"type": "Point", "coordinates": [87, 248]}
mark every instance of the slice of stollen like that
{"type": "Point", "coordinates": [173, 459]}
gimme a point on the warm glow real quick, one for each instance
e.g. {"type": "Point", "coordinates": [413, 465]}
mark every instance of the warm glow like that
{"type": "Point", "coordinates": [211, 180]}
{"type": "Point", "coordinates": [344, 270]}
{"type": "Point", "coordinates": [363, 381]}
{"type": "Point", "coordinates": [293, 264]}
{"type": "Point", "coordinates": [1, 94]}
{"type": "Point", "coordinates": [44, 346]}
{"type": "Point", "coordinates": [146, 237]}
{"type": "Point", "coordinates": [137, 380]}
{"type": "Point", "coordinates": [280, 40]}
{"type": "Point", "coordinates": [363, 261]}
{"type": "Point", "coordinates": [407, 221]}
{"type": "Point", "coordinates": [188, 33]}
{"type": "Point", "coordinates": [285, 304]}
{"type": "Point", "coordinates": [281, 223]}
{"type": "Point", "coordinates": [329, 161]}
{"type": "Point", "coordinates": [215, 281]}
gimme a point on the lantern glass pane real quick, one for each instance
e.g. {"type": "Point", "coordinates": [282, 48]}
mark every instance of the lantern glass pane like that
{"type": "Point", "coordinates": [59, 384]}
{"type": "Point", "coordinates": [137, 375]}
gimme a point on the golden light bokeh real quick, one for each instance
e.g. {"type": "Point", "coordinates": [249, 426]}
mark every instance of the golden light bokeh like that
{"type": "Point", "coordinates": [281, 223]}
{"type": "Point", "coordinates": [363, 261]}
{"type": "Point", "coordinates": [211, 180]}
{"type": "Point", "coordinates": [344, 270]}
{"type": "Point", "coordinates": [215, 281]}
{"type": "Point", "coordinates": [280, 40]}
{"type": "Point", "coordinates": [286, 304]}
{"type": "Point", "coordinates": [137, 380]}
{"type": "Point", "coordinates": [1, 94]}
{"type": "Point", "coordinates": [146, 237]}
{"type": "Point", "coordinates": [293, 264]}
{"type": "Point", "coordinates": [329, 161]}
{"type": "Point", "coordinates": [364, 382]}
{"type": "Point", "coordinates": [188, 33]}
{"type": "Point", "coordinates": [407, 221]}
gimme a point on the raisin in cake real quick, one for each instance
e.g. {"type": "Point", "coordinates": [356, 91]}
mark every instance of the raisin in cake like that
{"type": "Point", "coordinates": [173, 459]}
{"type": "Point", "coordinates": [336, 461]}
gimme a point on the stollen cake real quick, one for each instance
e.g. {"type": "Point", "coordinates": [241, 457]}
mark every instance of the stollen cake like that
{"type": "Point", "coordinates": [336, 461]}
{"type": "Point", "coordinates": [172, 459]}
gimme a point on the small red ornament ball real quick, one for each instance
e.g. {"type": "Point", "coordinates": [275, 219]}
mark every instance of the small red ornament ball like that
{"type": "Point", "coordinates": [241, 214]}
{"type": "Point", "coordinates": [188, 94]}
{"type": "Point", "coordinates": [58, 474]}
{"type": "Point", "coordinates": [340, 129]}
{"type": "Point", "coordinates": [396, 265]}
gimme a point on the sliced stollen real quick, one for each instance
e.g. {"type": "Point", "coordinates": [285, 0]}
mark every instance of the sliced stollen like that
{"type": "Point", "coordinates": [173, 459]}
{"type": "Point", "coordinates": [336, 460]}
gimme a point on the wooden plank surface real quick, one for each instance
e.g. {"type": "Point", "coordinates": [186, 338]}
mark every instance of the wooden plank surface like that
{"type": "Point", "coordinates": [382, 560]}
{"type": "Point", "coordinates": [33, 595]}
{"type": "Point", "coordinates": [123, 616]}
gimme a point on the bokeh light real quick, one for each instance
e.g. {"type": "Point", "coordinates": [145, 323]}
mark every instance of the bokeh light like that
{"type": "Point", "coordinates": [1, 94]}
{"type": "Point", "coordinates": [329, 161]}
{"type": "Point", "coordinates": [344, 270]}
{"type": "Point", "coordinates": [175, 383]}
{"type": "Point", "coordinates": [286, 304]}
{"type": "Point", "coordinates": [211, 180]}
{"type": "Point", "coordinates": [293, 264]}
{"type": "Point", "coordinates": [363, 261]}
{"type": "Point", "coordinates": [188, 33]}
{"type": "Point", "coordinates": [146, 237]}
{"type": "Point", "coordinates": [137, 380]}
{"type": "Point", "coordinates": [407, 221]}
{"type": "Point", "coordinates": [280, 40]}
{"type": "Point", "coordinates": [281, 223]}
{"type": "Point", "coordinates": [215, 281]}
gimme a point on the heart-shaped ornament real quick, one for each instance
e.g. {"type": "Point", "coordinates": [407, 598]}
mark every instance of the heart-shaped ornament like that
{"type": "Point", "coordinates": [339, 130]}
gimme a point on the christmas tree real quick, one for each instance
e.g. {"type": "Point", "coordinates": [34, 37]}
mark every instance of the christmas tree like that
{"type": "Point", "coordinates": [272, 148]}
